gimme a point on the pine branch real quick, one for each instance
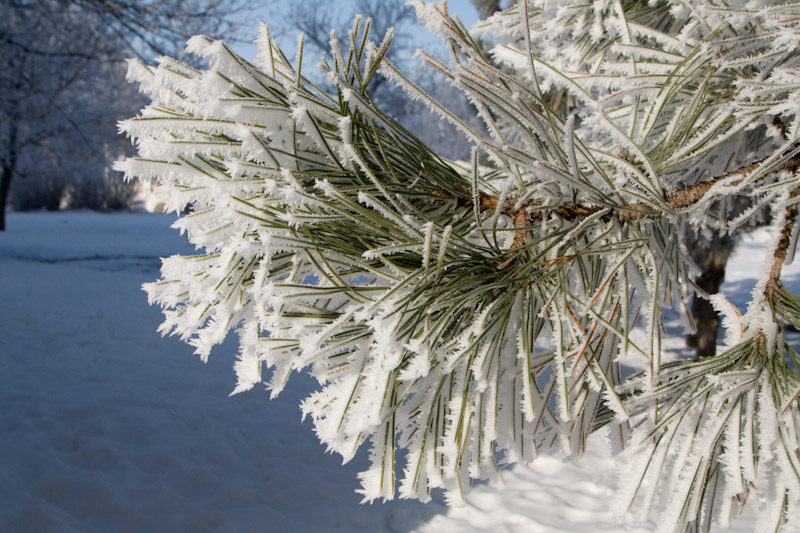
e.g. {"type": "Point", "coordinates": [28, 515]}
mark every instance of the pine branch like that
{"type": "Point", "coordinates": [679, 199]}
{"type": "Point", "coordinates": [429, 332]}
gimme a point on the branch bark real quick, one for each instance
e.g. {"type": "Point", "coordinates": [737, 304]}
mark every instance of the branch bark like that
{"type": "Point", "coordinates": [523, 215]}
{"type": "Point", "coordinates": [678, 199]}
{"type": "Point", "coordinates": [790, 217]}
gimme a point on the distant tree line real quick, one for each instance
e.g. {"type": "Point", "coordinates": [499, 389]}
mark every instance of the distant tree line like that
{"type": "Point", "coordinates": [63, 89]}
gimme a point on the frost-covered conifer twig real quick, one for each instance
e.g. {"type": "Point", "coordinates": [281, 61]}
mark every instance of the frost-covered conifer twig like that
{"type": "Point", "coordinates": [477, 315]}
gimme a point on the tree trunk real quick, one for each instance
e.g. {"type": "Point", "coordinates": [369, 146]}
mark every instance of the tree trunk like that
{"type": "Point", "coordinates": [712, 257]}
{"type": "Point", "coordinates": [8, 173]}
{"type": "Point", "coordinates": [5, 183]}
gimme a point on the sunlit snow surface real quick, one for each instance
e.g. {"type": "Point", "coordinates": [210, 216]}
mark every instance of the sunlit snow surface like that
{"type": "Point", "coordinates": [105, 426]}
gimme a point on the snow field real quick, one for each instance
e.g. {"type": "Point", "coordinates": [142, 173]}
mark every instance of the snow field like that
{"type": "Point", "coordinates": [105, 426]}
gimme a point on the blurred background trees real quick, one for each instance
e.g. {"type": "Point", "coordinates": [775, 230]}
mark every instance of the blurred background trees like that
{"type": "Point", "coordinates": [63, 89]}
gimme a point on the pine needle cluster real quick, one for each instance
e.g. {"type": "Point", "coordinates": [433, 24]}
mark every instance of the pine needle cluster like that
{"type": "Point", "coordinates": [475, 315]}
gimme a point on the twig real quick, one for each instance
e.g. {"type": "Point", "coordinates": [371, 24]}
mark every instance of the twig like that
{"type": "Point", "coordinates": [679, 199]}
{"type": "Point", "coordinates": [520, 221]}
{"type": "Point", "coordinates": [774, 282]}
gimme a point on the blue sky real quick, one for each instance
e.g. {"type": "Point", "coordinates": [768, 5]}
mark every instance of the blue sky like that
{"type": "Point", "coordinates": [461, 8]}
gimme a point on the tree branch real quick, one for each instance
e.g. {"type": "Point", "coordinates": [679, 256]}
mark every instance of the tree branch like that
{"type": "Point", "coordinates": [523, 215]}
{"type": "Point", "coordinates": [790, 217]}
{"type": "Point", "coordinates": [678, 199]}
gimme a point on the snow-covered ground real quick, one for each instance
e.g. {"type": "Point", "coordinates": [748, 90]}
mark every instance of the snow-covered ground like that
{"type": "Point", "coordinates": [105, 426]}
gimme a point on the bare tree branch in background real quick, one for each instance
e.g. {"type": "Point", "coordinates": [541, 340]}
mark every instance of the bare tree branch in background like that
{"type": "Point", "coordinates": [148, 27]}
{"type": "Point", "coordinates": [487, 8]}
{"type": "Point", "coordinates": [316, 18]}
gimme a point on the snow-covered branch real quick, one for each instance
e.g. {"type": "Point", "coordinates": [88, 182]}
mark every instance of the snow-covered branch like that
{"type": "Point", "coordinates": [476, 314]}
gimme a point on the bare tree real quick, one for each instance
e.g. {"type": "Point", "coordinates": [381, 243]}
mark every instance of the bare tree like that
{"type": "Point", "coordinates": [147, 27]}
{"type": "Point", "coordinates": [62, 86]}
{"type": "Point", "coordinates": [42, 66]}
